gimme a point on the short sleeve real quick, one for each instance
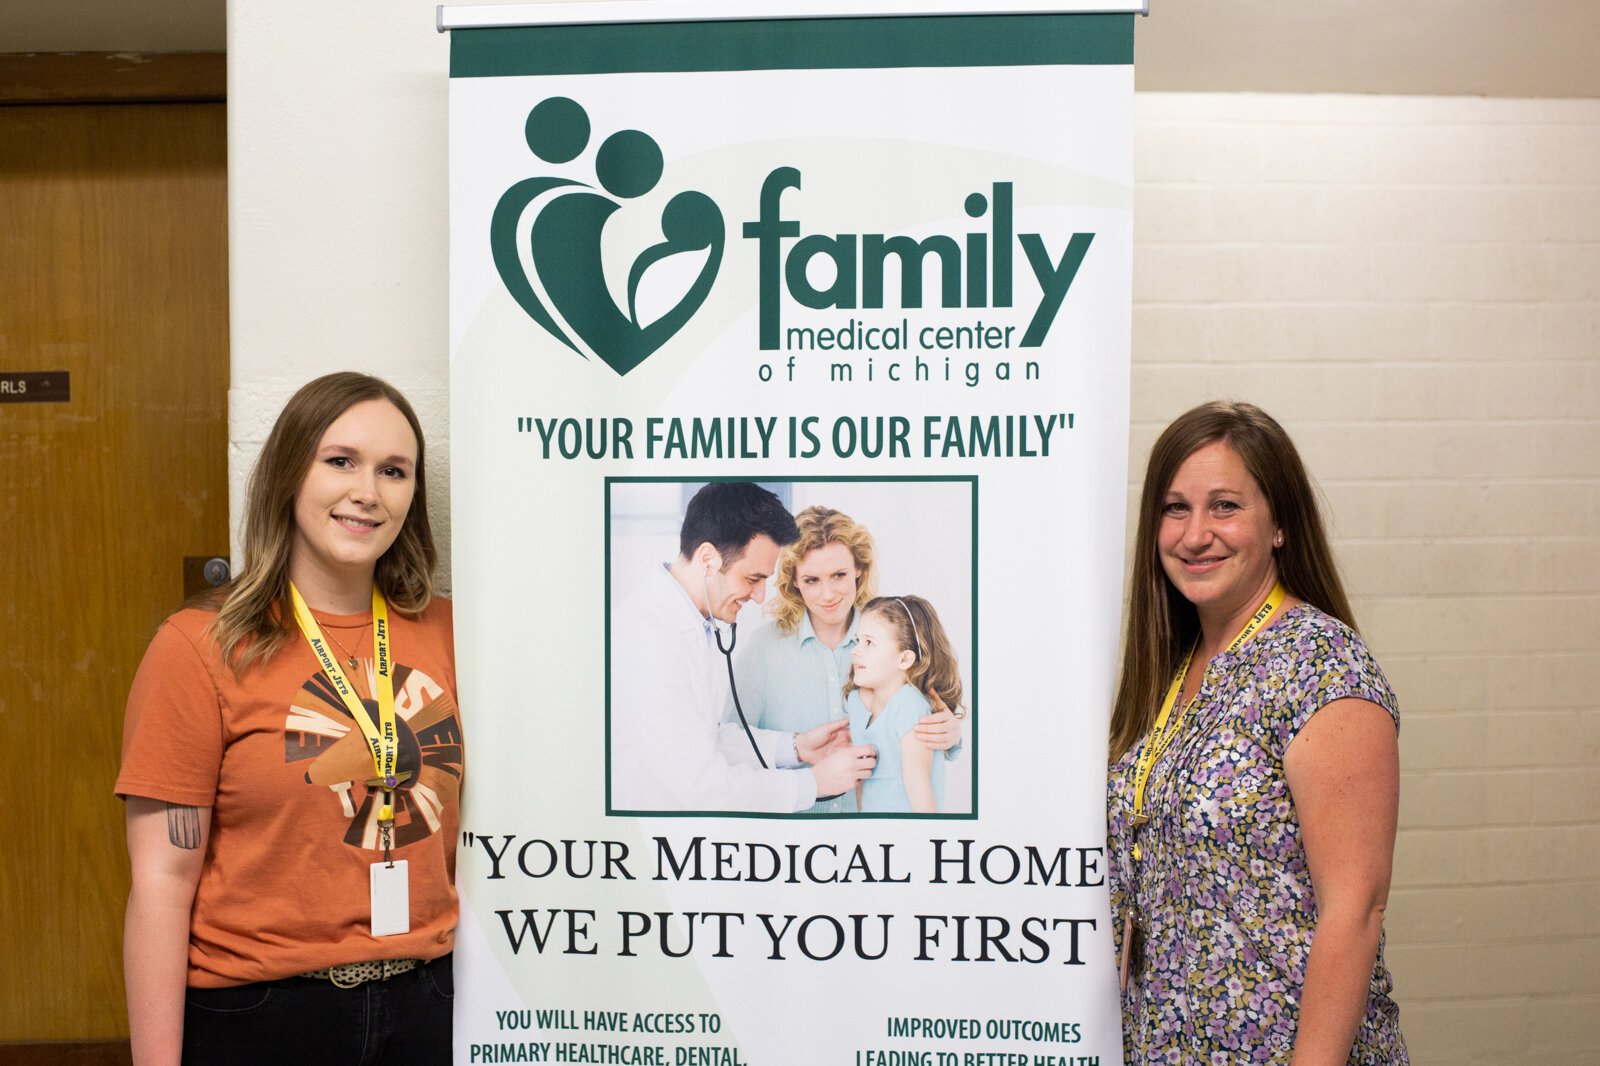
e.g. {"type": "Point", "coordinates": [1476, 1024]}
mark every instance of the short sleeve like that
{"type": "Point", "coordinates": [172, 732]}
{"type": "Point", "coordinates": [443, 612]}
{"type": "Point", "coordinates": [1321, 663]}
{"type": "Point", "coordinates": [910, 706]}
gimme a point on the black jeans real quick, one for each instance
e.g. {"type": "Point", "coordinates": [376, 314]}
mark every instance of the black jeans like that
{"type": "Point", "coordinates": [302, 1021]}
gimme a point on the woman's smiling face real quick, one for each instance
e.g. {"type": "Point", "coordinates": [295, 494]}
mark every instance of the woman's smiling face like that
{"type": "Point", "coordinates": [357, 493]}
{"type": "Point", "coordinates": [826, 580]}
{"type": "Point", "coordinates": [1217, 535]}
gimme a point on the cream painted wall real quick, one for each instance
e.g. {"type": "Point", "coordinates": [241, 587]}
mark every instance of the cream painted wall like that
{"type": "Point", "coordinates": [338, 217]}
{"type": "Point", "coordinates": [1412, 284]}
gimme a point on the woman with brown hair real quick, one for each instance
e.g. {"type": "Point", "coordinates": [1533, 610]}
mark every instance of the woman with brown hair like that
{"type": "Point", "coordinates": [291, 764]}
{"type": "Point", "coordinates": [792, 674]}
{"type": "Point", "coordinates": [901, 652]}
{"type": "Point", "coordinates": [1254, 779]}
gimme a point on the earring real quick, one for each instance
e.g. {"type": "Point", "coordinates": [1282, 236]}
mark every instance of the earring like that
{"type": "Point", "coordinates": [1277, 540]}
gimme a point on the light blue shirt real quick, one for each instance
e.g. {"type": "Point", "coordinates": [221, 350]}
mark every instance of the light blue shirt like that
{"type": "Point", "coordinates": [793, 682]}
{"type": "Point", "coordinates": [885, 791]}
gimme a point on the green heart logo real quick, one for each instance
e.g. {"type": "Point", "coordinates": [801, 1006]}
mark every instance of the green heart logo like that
{"type": "Point", "coordinates": [566, 291]}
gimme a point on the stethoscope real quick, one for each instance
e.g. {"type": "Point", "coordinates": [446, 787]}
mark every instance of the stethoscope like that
{"type": "Point", "coordinates": [727, 656]}
{"type": "Point", "coordinates": [733, 686]}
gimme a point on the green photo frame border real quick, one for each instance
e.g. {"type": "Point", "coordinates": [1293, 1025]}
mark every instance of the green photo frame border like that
{"type": "Point", "coordinates": [972, 741]}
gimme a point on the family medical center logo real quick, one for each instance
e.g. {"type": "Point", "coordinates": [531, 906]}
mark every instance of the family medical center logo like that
{"type": "Point", "coordinates": [566, 291]}
{"type": "Point", "coordinates": [993, 288]}
{"type": "Point", "coordinates": [975, 271]}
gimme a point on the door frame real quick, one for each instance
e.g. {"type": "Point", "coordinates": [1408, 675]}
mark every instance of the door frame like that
{"type": "Point", "coordinates": [74, 78]}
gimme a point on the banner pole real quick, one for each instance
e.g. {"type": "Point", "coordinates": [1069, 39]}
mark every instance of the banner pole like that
{"type": "Point", "coordinates": [491, 16]}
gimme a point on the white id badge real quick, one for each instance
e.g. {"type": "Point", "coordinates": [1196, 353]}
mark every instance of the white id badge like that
{"type": "Point", "coordinates": [391, 898]}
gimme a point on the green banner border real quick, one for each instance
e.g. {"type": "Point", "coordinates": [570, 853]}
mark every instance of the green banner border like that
{"type": "Point", "coordinates": [793, 44]}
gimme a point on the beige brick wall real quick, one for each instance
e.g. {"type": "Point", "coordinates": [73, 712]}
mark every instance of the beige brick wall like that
{"type": "Point", "coordinates": [1412, 286]}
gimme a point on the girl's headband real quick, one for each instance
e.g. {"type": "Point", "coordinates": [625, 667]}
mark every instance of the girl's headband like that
{"type": "Point", "coordinates": [916, 641]}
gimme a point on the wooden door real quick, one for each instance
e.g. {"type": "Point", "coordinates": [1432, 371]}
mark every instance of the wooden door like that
{"type": "Point", "coordinates": [113, 271]}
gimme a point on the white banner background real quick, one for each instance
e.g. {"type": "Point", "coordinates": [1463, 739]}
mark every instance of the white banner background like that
{"type": "Point", "coordinates": [889, 151]}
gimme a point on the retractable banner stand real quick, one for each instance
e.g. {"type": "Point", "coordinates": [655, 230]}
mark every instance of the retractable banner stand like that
{"type": "Point", "coordinates": [874, 262]}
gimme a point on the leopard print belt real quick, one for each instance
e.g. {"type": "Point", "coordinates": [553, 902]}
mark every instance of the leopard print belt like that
{"type": "Point", "coordinates": [351, 974]}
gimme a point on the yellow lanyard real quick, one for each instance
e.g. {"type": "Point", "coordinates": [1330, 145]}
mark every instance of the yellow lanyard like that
{"type": "Point", "coordinates": [382, 736]}
{"type": "Point", "coordinates": [1167, 728]}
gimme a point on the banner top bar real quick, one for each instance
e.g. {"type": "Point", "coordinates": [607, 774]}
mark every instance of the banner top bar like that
{"type": "Point", "coordinates": [487, 16]}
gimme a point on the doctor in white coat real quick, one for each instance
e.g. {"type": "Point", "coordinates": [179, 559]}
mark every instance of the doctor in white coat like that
{"type": "Point", "coordinates": [670, 749]}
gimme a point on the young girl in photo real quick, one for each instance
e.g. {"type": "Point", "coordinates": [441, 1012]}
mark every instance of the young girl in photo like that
{"type": "Point", "coordinates": [901, 651]}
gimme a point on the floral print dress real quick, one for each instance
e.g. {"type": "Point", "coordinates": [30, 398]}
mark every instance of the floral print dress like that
{"type": "Point", "coordinates": [1222, 891]}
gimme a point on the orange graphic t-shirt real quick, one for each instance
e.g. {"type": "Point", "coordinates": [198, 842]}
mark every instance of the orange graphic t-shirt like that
{"type": "Point", "coordinates": [285, 887]}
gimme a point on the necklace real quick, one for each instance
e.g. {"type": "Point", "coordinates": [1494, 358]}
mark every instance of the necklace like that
{"type": "Point", "coordinates": [351, 659]}
{"type": "Point", "coordinates": [1169, 722]}
{"type": "Point", "coordinates": [1167, 726]}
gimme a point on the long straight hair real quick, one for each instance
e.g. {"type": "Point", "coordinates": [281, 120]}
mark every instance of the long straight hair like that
{"type": "Point", "coordinates": [1162, 625]}
{"type": "Point", "coordinates": [253, 618]}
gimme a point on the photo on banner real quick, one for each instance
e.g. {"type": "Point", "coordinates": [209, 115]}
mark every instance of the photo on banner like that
{"type": "Point", "coordinates": [878, 265]}
{"type": "Point", "coordinates": [923, 544]}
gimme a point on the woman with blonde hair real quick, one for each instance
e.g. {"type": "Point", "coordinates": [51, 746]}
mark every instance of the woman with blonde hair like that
{"type": "Point", "coordinates": [1254, 778]}
{"type": "Point", "coordinates": [791, 674]}
{"type": "Point", "coordinates": [291, 765]}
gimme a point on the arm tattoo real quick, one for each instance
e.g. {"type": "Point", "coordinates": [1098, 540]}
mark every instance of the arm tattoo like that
{"type": "Point", "coordinates": [183, 826]}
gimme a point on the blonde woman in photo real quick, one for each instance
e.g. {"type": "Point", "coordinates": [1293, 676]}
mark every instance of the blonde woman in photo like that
{"type": "Point", "coordinates": [792, 674]}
